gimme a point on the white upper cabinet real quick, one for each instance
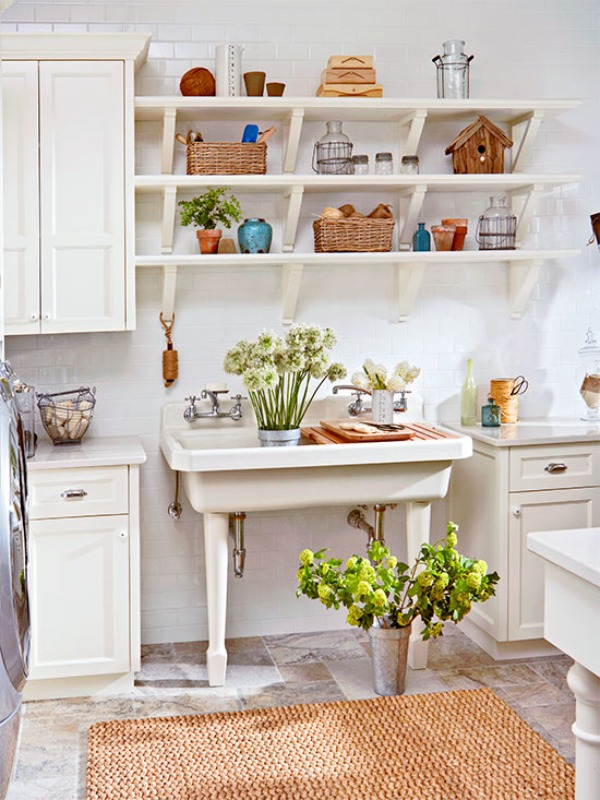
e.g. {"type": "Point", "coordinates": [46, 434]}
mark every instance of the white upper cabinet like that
{"type": "Point", "coordinates": [68, 182]}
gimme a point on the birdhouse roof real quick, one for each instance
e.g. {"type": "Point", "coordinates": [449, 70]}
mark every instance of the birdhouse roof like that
{"type": "Point", "coordinates": [470, 130]}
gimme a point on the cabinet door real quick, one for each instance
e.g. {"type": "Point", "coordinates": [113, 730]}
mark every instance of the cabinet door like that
{"type": "Point", "coordinates": [79, 569]}
{"type": "Point", "coordinates": [20, 196]}
{"type": "Point", "coordinates": [539, 511]}
{"type": "Point", "coordinates": [82, 175]}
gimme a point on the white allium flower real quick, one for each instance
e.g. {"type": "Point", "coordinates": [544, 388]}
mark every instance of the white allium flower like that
{"type": "Point", "coordinates": [336, 371]}
{"type": "Point", "coordinates": [267, 341]}
{"type": "Point", "coordinates": [360, 380]}
{"type": "Point", "coordinates": [395, 384]}
{"type": "Point", "coordinates": [413, 373]}
{"type": "Point", "coordinates": [254, 380]}
{"type": "Point", "coordinates": [329, 338]}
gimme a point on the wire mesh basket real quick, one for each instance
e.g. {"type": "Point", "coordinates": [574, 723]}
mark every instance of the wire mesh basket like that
{"type": "Point", "coordinates": [67, 419]}
{"type": "Point", "coordinates": [332, 158]}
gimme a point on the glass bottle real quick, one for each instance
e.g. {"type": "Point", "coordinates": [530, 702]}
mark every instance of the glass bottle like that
{"type": "Point", "coordinates": [332, 154]}
{"type": "Point", "coordinates": [421, 239]}
{"type": "Point", "coordinates": [590, 384]}
{"type": "Point", "coordinates": [360, 165]}
{"type": "Point", "coordinates": [490, 414]}
{"type": "Point", "coordinates": [468, 398]}
{"type": "Point", "coordinates": [453, 70]}
{"type": "Point", "coordinates": [497, 227]}
{"type": "Point", "coordinates": [384, 164]}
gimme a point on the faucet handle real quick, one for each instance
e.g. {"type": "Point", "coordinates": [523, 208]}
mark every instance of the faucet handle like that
{"type": "Point", "coordinates": [191, 400]}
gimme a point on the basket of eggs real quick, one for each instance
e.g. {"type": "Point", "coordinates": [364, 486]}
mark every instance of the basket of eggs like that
{"type": "Point", "coordinates": [66, 416]}
{"type": "Point", "coordinates": [344, 230]}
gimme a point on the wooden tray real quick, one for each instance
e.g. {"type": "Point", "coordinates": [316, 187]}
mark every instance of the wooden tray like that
{"type": "Point", "coordinates": [328, 432]}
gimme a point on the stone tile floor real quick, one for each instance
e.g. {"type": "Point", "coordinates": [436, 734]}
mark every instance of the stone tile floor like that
{"type": "Point", "coordinates": [276, 670]}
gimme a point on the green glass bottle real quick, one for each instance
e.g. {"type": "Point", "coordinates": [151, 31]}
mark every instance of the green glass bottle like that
{"type": "Point", "coordinates": [468, 398]}
{"type": "Point", "coordinates": [490, 414]}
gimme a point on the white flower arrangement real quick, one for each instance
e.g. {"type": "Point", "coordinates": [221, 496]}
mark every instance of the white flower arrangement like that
{"type": "Point", "coordinates": [375, 376]}
{"type": "Point", "coordinates": [277, 371]}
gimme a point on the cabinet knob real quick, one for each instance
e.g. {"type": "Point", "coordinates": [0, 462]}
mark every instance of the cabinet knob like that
{"type": "Point", "coordinates": [516, 512]}
{"type": "Point", "coordinates": [554, 467]}
{"type": "Point", "coordinates": [34, 317]}
{"type": "Point", "coordinates": [122, 534]}
{"type": "Point", "coordinates": [73, 494]}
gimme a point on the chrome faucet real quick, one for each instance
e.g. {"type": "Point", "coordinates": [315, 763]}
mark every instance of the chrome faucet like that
{"type": "Point", "coordinates": [191, 413]}
{"type": "Point", "coordinates": [357, 406]}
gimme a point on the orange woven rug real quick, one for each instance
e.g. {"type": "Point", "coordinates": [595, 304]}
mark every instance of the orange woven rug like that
{"type": "Point", "coordinates": [464, 745]}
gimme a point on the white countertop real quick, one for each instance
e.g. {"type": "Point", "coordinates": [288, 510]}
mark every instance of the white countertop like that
{"type": "Point", "coordinates": [103, 451]}
{"type": "Point", "coordinates": [531, 431]}
{"type": "Point", "coordinates": [576, 550]}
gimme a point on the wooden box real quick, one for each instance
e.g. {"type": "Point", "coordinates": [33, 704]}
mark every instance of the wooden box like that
{"type": "Point", "coordinates": [350, 75]}
{"type": "Point", "coordinates": [350, 90]}
{"type": "Point", "coordinates": [350, 62]}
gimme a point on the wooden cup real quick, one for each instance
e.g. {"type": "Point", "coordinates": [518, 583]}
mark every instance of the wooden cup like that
{"type": "Point", "coordinates": [275, 89]}
{"type": "Point", "coordinates": [255, 83]}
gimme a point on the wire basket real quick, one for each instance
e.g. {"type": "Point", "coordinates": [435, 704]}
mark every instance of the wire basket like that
{"type": "Point", "coordinates": [226, 158]}
{"type": "Point", "coordinates": [332, 158]}
{"type": "Point", "coordinates": [353, 235]}
{"type": "Point", "coordinates": [67, 420]}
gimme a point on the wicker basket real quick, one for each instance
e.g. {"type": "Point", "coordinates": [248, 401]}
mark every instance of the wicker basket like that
{"type": "Point", "coordinates": [353, 235]}
{"type": "Point", "coordinates": [66, 420]}
{"type": "Point", "coordinates": [226, 158]}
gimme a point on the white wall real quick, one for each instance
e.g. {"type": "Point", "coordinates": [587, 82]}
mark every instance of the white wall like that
{"type": "Point", "coordinates": [539, 48]}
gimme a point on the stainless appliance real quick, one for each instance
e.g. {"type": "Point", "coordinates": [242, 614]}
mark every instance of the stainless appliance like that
{"type": "Point", "coordinates": [14, 609]}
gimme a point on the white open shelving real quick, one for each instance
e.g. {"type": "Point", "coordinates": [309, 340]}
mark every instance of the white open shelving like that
{"type": "Point", "coordinates": [523, 117]}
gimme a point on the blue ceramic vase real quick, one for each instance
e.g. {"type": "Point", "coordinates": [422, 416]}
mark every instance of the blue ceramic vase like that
{"type": "Point", "coordinates": [255, 236]}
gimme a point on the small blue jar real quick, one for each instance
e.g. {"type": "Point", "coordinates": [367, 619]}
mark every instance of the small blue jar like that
{"type": "Point", "coordinates": [255, 236]}
{"type": "Point", "coordinates": [421, 239]}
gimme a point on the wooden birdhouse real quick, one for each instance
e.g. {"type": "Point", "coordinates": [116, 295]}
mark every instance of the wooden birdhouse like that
{"type": "Point", "coordinates": [479, 148]}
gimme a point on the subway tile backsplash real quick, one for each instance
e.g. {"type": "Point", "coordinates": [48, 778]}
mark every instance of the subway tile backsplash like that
{"type": "Point", "coordinates": [460, 311]}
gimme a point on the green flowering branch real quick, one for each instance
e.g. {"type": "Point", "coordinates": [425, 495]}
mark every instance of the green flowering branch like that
{"type": "Point", "coordinates": [442, 585]}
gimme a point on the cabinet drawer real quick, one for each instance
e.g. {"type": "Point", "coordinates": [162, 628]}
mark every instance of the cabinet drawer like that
{"type": "Point", "coordinates": [564, 466]}
{"type": "Point", "coordinates": [79, 492]}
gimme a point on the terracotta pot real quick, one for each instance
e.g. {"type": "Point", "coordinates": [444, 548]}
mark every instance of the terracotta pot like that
{"type": "Point", "coordinates": [443, 236]}
{"type": "Point", "coordinates": [460, 233]}
{"type": "Point", "coordinates": [275, 89]}
{"type": "Point", "coordinates": [255, 83]}
{"type": "Point", "coordinates": [208, 240]}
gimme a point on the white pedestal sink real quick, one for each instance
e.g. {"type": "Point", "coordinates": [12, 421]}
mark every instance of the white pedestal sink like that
{"type": "Point", "coordinates": [224, 470]}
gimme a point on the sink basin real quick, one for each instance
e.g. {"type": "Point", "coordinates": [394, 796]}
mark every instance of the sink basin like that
{"type": "Point", "coordinates": [224, 469]}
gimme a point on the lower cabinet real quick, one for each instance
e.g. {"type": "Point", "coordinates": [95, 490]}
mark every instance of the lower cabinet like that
{"type": "Point", "coordinates": [79, 578]}
{"type": "Point", "coordinates": [497, 498]}
{"type": "Point", "coordinates": [83, 580]}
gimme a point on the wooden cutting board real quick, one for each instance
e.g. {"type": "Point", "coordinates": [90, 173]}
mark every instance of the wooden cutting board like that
{"type": "Point", "coordinates": [329, 432]}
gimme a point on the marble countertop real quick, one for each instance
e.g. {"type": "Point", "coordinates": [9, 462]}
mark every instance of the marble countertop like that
{"type": "Point", "coordinates": [549, 430]}
{"type": "Point", "coordinates": [103, 451]}
{"type": "Point", "coordinates": [576, 550]}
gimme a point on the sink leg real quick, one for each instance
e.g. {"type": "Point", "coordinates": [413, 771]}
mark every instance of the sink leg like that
{"type": "Point", "coordinates": [418, 523]}
{"type": "Point", "coordinates": [586, 688]}
{"type": "Point", "coordinates": [216, 530]}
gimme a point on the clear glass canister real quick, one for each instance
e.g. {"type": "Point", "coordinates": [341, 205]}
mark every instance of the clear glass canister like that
{"type": "Point", "coordinates": [497, 227]}
{"type": "Point", "coordinates": [590, 380]}
{"type": "Point", "coordinates": [332, 154]}
{"type": "Point", "coordinates": [453, 70]}
{"type": "Point", "coordinates": [384, 164]}
{"type": "Point", "coordinates": [360, 165]}
{"type": "Point", "coordinates": [409, 165]}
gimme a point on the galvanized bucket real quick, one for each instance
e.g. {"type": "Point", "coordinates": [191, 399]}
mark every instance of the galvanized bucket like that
{"type": "Point", "coordinates": [285, 438]}
{"type": "Point", "coordinates": [389, 655]}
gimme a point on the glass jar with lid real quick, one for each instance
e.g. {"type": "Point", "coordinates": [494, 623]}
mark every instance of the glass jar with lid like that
{"type": "Point", "coordinates": [497, 227]}
{"type": "Point", "coordinates": [384, 164]}
{"type": "Point", "coordinates": [332, 154]}
{"type": "Point", "coordinates": [409, 165]}
{"type": "Point", "coordinates": [589, 388]}
{"type": "Point", "coordinates": [360, 165]}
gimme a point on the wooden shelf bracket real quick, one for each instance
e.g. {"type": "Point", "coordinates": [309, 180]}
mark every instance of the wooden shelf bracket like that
{"type": "Point", "coordinates": [523, 132]}
{"type": "Point", "coordinates": [294, 198]}
{"type": "Point", "coordinates": [293, 128]}
{"type": "Point", "coordinates": [168, 141]}
{"type": "Point", "coordinates": [169, 288]}
{"type": "Point", "coordinates": [415, 123]}
{"type": "Point", "coordinates": [410, 278]}
{"type": "Point", "coordinates": [409, 221]}
{"type": "Point", "coordinates": [292, 278]}
{"type": "Point", "coordinates": [524, 207]}
{"type": "Point", "coordinates": [167, 230]}
{"type": "Point", "coordinates": [522, 277]}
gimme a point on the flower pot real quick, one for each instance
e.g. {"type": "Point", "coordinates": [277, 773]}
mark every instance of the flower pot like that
{"type": "Point", "coordinates": [208, 240]}
{"type": "Point", "coordinates": [382, 406]}
{"type": "Point", "coordinates": [443, 236]}
{"type": "Point", "coordinates": [285, 438]}
{"type": "Point", "coordinates": [389, 656]}
{"type": "Point", "coordinates": [275, 89]}
{"type": "Point", "coordinates": [255, 83]}
{"type": "Point", "coordinates": [255, 236]}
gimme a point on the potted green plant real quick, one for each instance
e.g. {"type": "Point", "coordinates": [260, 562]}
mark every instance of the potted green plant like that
{"type": "Point", "coordinates": [283, 375]}
{"type": "Point", "coordinates": [384, 596]}
{"type": "Point", "coordinates": [214, 207]}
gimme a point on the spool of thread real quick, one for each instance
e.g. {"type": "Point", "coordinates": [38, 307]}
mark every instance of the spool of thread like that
{"type": "Point", "coordinates": [170, 366]}
{"type": "Point", "coordinates": [501, 390]}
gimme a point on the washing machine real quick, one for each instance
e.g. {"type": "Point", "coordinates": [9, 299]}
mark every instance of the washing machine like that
{"type": "Point", "coordinates": [14, 608]}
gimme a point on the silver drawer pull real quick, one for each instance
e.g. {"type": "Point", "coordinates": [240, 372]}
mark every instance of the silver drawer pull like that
{"type": "Point", "coordinates": [73, 494]}
{"type": "Point", "coordinates": [553, 467]}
